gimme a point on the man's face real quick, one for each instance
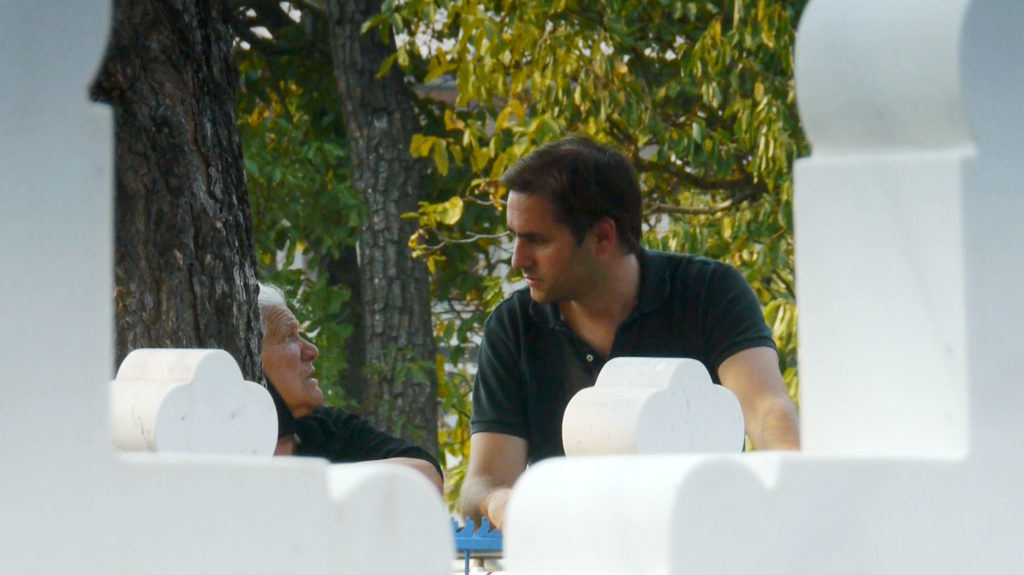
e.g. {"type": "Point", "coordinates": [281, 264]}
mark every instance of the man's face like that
{"type": "Point", "coordinates": [288, 361]}
{"type": "Point", "coordinates": [555, 266]}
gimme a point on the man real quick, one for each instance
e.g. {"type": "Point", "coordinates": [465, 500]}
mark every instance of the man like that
{"type": "Point", "coordinates": [305, 426]}
{"type": "Point", "coordinates": [592, 294]}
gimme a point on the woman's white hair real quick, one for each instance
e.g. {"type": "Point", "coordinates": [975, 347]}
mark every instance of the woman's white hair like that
{"type": "Point", "coordinates": [270, 296]}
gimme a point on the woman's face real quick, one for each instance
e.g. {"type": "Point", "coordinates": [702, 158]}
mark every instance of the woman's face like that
{"type": "Point", "coordinates": [288, 361]}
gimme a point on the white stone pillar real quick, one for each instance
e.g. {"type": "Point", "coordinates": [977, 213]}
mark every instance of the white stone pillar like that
{"type": "Point", "coordinates": [68, 503]}
{"type": "Point", "coordinates": [879, 229]}
{"type": "Point", "coordinates": [907, 227]}
{"type": "Point", "coordinates": [909, 243]}
{"type": "Point", "coordinates": [56, 225]}
{"type": "Point", "coordinates": [992, 79]}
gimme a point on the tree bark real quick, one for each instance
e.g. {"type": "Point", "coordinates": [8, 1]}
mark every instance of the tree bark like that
{"type": "Point", "coordinates": [380, 121]}
{"type": "Point", "coordinates": [185, 262]}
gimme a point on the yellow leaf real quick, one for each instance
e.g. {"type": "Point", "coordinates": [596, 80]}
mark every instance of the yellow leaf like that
{"type": "Point", "coordinates": [758, 91]}
{"type": "Point", "coordinates": [414, 146]}
{"type": "Point", "coordinates": [414, 242]}
{"type": "Point", "coordinates": [440, 374]}
{"type": "Point", "coordinates": [441, 157]}
{"type": "Point", "coordinates": [501, 120]}
{"type": "Point", "coordinates": [498, 167]}
{"type": "Point", "coordinates": [498, 193]}
{"type": "Point", "coordinates": [452, 122]}
{"type": "Point", "coordinates": [452, 211]}
{"type": "Point", "coordinates": [517, 109]}
{"type": "Point", "coordinates": [479, 159]}
{"type": "Point", "coordinates": [420, 146]}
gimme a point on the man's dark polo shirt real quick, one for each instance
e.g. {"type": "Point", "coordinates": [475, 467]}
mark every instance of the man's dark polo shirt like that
{"type": "Point", "coordinates": [531, 363]}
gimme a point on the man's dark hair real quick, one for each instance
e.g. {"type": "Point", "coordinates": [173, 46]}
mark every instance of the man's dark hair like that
{"type": "Point", "coordinates": [586, 182]}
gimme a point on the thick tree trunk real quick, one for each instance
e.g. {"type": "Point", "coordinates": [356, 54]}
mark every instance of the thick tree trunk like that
{"type": "Point", "coordinates": [380, 121]}
{"type": "Point", "coordinates": [185, 264]}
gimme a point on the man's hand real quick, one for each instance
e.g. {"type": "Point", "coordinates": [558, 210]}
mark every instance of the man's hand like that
{"type": "Point", "coordinates": [770, 416]}
{"type": "Point", "coordinates": [493, 506]}
{"type": "Point", "coordinates": [496, 460]}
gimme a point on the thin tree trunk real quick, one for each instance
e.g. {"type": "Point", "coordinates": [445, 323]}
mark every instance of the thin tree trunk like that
{"type": "Point", "coordinates": [380, 121]}
{"type": "Point", "coordinates": [344, 270]}
{"type": "Point", "coordinates": [185, 263]}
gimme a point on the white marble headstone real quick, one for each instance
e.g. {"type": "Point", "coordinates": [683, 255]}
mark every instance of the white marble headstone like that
{"type": "Point", "coordinates": [909, 243]}
{"type": "Point", "coordinates": [190, 401]}
{"type": "Point", "coordinates": [647, 405]}
{"type": "Point", "coordinates": [69, 503]}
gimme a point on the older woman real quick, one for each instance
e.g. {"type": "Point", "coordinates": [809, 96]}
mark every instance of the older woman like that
{"type": "Point", "coordinates": [308, 428]}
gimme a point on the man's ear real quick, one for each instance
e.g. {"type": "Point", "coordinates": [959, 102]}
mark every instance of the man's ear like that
{"type": "Point", "coordinates": [606, 236]}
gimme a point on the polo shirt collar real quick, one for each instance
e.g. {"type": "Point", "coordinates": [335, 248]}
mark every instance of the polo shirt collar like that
{"type": "Point", "coordinates": [654, 288]}
{"type": "Point", "coordinates": [546, 313]}
{"type": "Point", "coordinates": [654, 284]}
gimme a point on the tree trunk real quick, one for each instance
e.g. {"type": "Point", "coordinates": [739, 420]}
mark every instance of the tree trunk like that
{"type": "Point", "coordinates": [344, 270]}
{"type": "Point", "coordinates": [185, 263]}
{"type": "Point", "coordinates": [380, 121]}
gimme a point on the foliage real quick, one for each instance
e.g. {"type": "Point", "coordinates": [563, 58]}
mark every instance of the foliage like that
{"type": "Point", "coordinates": [304, 209]}
{"type": "Point", "coordinates": [698, 94]}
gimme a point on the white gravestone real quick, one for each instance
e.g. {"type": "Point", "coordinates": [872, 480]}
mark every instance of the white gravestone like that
{"type": "Point", "coordinates": [652, 405]}
{"type": "Point", "coordinates": [909, 243]}
{"type": "Point", "coordinates": [70, 503]}
{"type": "Point", "coordinates": [190, 401]}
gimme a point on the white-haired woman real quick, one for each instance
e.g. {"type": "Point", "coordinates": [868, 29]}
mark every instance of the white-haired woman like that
{"type": "Point", "coordinates": [305, 426]}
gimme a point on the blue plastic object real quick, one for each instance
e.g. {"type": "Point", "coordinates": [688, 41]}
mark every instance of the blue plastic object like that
{"type": "Point", "coordinates": [471, 539]}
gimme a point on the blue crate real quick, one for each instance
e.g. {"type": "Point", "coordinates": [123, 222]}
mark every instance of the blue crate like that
{"type": "Point", "coordinates": [470, 539]}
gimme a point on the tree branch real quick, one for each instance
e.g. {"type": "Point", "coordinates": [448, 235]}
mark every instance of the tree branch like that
{"type": "Point", "coordinates": [738, 183]}
{"type": "Point", "coordinates": [732, 202]}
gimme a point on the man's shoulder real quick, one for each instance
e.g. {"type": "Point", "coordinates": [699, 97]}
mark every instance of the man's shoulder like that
{"type": "Point", "coordinates": [687, 271]}
{"type": "Point", "coordinates": [518, 299]}
{"type": "Point", "coordinates": [515, 305]}
{"type": "Point", "coordinates": [686, 263]}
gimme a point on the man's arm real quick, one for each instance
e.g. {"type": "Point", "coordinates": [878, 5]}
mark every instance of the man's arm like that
{"type": "Point", "coordinates": [496, 460]}
{"type": "Point", "coordinates": [770, 416]}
